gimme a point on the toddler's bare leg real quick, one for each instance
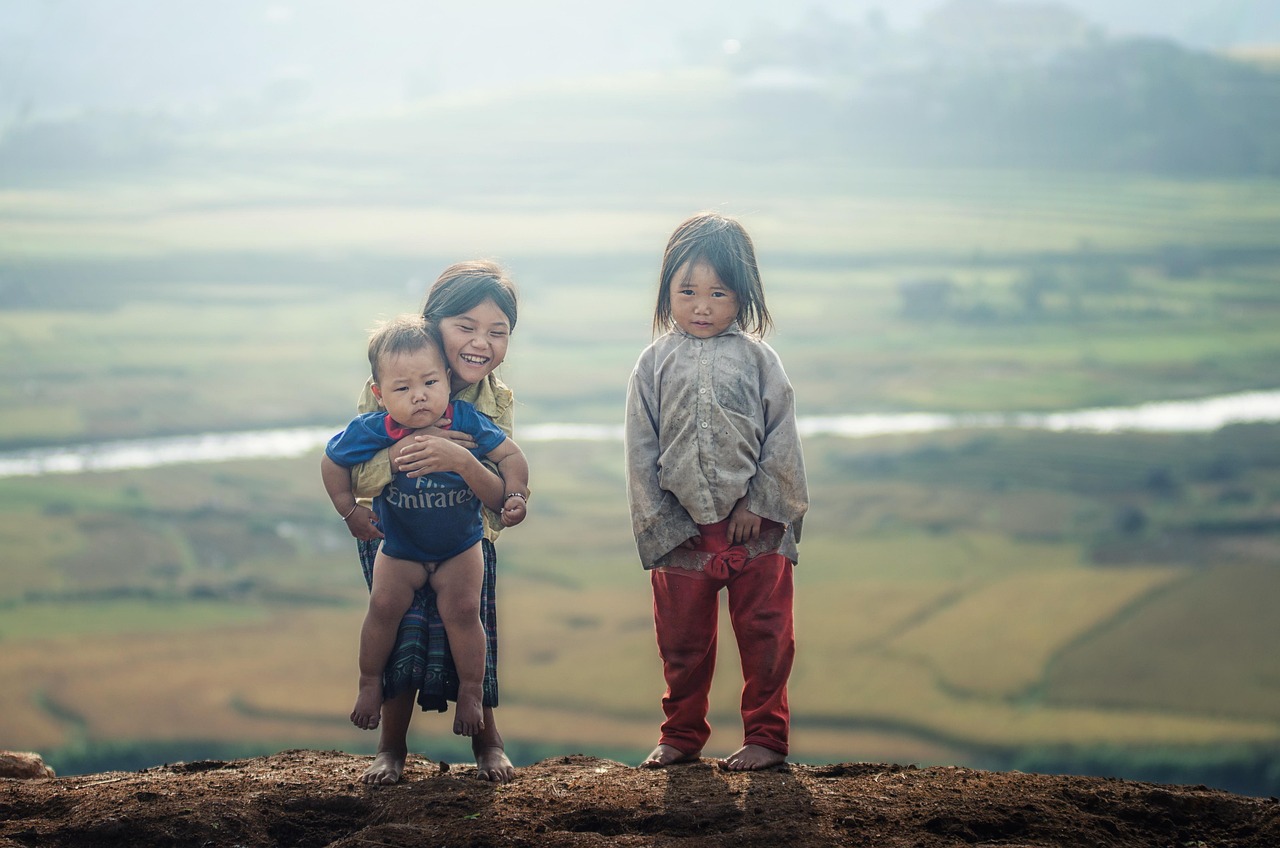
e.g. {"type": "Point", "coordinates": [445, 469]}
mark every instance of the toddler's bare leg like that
{"type": "Point", "coordinates": [457, 584]}
{"type": "Point", "coordinates": [394, 582]}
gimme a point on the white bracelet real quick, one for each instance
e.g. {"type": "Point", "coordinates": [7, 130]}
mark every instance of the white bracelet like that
{"type": "Point", "coordinates": [511, 495]}
{"type": "Point", "coordinates": [352, 512]}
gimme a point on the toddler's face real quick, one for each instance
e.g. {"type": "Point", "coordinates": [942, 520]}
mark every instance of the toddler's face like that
{"type": "Point", "coordinates": [701, 304]}
{"type": "Point", "coordinates": [414, 387]}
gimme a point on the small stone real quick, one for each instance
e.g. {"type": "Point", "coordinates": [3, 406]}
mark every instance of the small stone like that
{"type": "Point", "coordinates": [23, 766]}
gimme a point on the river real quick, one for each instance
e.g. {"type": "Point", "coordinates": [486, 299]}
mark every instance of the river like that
{"type": "Point", "coordinates": [1202, 415]}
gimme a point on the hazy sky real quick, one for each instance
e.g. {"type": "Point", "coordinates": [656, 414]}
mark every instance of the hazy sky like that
{"type": "Point", "coordinates": [58, 55]}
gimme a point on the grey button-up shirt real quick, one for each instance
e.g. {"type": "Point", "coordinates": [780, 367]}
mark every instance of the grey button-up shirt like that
{"type": "Point", "coordinates": [710, 421]}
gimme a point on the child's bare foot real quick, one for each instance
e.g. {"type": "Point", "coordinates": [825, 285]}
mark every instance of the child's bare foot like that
{"type": "Point", "coordinates": [752, 758]}
{"type": "Point", "coordinates": [368, 709]}
{"type": "Point", "coordinates": [492, 764]}
{"type": "Point", "coordinates": [664, 755]}
{"type": "Point", "coordinates": [385, 769]}
{"type": "Point", "coordinates": [468, 716]}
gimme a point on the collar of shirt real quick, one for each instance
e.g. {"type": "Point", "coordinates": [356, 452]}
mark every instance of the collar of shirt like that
{"type": "Point", "coordinates": [733, 330]}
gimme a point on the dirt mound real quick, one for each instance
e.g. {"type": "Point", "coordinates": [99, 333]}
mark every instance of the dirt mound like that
{"type": "Point", "coordinates": [314, 798]}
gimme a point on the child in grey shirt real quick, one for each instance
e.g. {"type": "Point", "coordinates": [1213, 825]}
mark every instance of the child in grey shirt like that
{"type": "Point", "coordinates": [716, 484]}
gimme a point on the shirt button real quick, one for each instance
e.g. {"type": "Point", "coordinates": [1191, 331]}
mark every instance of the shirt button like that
{"type": "Point", "coordinates": [704, 362]}
{"type": "Point", "coordinates": [702, 391]}
{"type": "Point", "coordinates": [705, 425]}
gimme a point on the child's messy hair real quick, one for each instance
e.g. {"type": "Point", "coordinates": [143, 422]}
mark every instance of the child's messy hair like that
{"type": "Point", "coordinates": [723, 244]}
{"type": "Point", "coordinates": [400, 335]}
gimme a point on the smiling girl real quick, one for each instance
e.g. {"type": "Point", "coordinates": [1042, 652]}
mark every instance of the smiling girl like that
{"type": "Point", "coordinates": [474, 305]}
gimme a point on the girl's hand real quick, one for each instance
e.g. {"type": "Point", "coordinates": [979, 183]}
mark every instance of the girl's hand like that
{"type": "Point", "coordinates": [428, 454]}
{"type": "Point", "coordinates": [363, 524]}
{"type": "Point", "coordinates": [691, 542]}
{"type": "Point", "coordinates": [465, 439]}
{"type": "Point", "coordinates": [513, 511]}
{"type": "Point", "coordinates": [744, 525]}
{"type": "Point", "coordinates": [411, 443]}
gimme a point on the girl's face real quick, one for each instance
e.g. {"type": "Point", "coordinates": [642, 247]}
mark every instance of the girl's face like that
{"type": "Point", "coordinates": [475, 342]}
{"type": "Point", "coordinates": [701, 304]}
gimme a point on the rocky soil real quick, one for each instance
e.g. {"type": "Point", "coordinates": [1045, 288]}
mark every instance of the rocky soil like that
{"type": "Point", "coordinates": [314, 798]}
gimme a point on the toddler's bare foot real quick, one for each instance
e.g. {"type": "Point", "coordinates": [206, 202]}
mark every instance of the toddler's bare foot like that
{"type": "Point", "coordinates": [385, 769]}
{"type": "Point", "coordinates": [468, 716]}
{"type": "Point", "coordinates": [368, 709]}
{"type": "Point", "coordinates": [664, 755]}
{"type": "Point", "coordinates": [752, 758]}
{"type": "Point", "coordinates": [492, 764]}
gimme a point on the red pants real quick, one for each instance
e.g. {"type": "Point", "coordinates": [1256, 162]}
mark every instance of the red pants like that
{"type": "Point", "coordinates": [685, 611]}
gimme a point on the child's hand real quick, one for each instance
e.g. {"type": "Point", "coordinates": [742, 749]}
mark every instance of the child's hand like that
{"type": "Point", "coordinates": [432, 454]}
{"type": "Point", "coordinates": [691, 542]}
{"type": "Point", "coordinates": [465, 439]}
{"type": "Point", "coordinates": [513, 511]}
{"type": "Point", "coordinates": [363, 524]}
{"type": "Point", "coordinates": [744, 525]}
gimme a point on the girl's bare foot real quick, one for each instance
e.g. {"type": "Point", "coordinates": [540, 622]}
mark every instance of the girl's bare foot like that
{"type": "Point", "coordinates": [368, 709]}
{"type": "Point", "coordinates": [664, 755]}
{"type": "Point", "coordinates": [492, 764]}
{"type": "Point", "coordinates": [752, 758]}
{"type": "Point", "coordinates": [386, 768]}
{"type": "Point", "coordinates": [468, 716]}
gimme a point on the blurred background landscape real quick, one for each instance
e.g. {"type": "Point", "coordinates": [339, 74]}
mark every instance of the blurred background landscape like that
{"type": "Point", "coordinates": [965, 212]}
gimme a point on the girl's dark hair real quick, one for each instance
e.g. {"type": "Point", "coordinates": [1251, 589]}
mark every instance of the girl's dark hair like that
{"type": "Point", "coordinates": [724, 245]}
{"type": "Point", "coordinates": [402, 334]}
{"type": "Point", "coordinates": [464, 285]}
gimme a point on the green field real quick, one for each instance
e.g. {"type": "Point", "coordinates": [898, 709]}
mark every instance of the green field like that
{"type": "Point", "coordinates": [935, 625]}
{"type": "Point", "coordinates": [999, 598]}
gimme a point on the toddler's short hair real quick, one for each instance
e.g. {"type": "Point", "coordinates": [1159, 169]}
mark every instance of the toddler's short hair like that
{"type": "Point", "coordinates": [400, 335]}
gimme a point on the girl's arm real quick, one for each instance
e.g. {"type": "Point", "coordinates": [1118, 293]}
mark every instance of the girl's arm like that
{"type": "Point", "coordinates": [438, 454]}
{"type": "Point", "coordinates": [360, 520]}
{"type": "Point", "coordinates": [779, 490]}
{"type": "Point", "coordinates": [368, 479]}
{"type": "Point", "coordinates": [514, 468]}
{"type": "Point", "coordinates": [406, 454]}
{"type": "Point", "coordinates": [658, 520]}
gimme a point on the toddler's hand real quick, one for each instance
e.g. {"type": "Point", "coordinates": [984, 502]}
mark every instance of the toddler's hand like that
{"type": "Point", "coordinates": [513, 511]}
{"type": "Point", "coordinates": [363, 524]}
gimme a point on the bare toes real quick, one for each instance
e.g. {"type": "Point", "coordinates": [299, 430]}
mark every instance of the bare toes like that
{"type": "Point", "coordinates": [665, 755]}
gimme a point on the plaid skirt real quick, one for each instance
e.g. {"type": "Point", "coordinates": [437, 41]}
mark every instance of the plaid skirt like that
{"type": "Point", "coordinates": [421, 660]}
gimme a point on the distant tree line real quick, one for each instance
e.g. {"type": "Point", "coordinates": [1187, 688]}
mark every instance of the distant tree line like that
{"type": "Point", "coordinates": [1134, 105]}
{"type": "Point", "coordinates": [1042, 91]}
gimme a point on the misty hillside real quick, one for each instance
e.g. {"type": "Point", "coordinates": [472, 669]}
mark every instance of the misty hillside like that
{"type": "Point", "coordinates": [1050, 94]}
{"type": "Point", "coordinates": [144, 54]}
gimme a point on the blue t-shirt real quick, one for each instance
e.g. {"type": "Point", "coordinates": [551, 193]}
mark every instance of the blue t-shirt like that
{"type": "Point", "coordinates": [428, 518]}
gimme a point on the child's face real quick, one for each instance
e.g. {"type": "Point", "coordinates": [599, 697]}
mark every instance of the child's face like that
{"type": "Point", "coordinates": [702, 305]}
{"type": "Point", "coordinates": [413, 387]}
{"type": "Point", "coordinates": [475, 341]}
